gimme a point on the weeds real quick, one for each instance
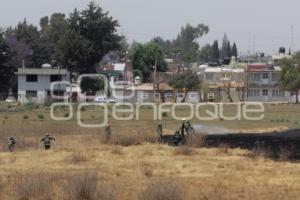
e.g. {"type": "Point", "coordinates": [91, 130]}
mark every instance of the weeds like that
{"type": "Point", "coordinates": [85, 187]}
{"type": "Point", "coordinates": [184, 150]}
{"type": "Point", "coordinates": [162, 190]}
{"type": "Point", "coordinates": [32, 186]}
{"type": "Point", "coordinates": [78, 157]}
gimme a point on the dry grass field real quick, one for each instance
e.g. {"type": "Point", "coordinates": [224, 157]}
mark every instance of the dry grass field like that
{"type": "Point", "coordinates": [133, 165]}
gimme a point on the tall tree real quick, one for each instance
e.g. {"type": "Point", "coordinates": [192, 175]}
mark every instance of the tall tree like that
{"type": "Point", "coordinates": [187, 40]}
{"type": "Point", "coordinates": [6, 70]}
{"type": "Point", "coordinates": [101, 30]}
{"type": "Point", "coordinates": [234, 50]}
{"type": "Point", "coordinates": [226, 48]}
{"type": "Point", "coordinates": [215, 51]}
{"type": "Point", "coordinates": [145, 56]}
{"type": "Point", "coordinates": [290, 76]}
{"type": "Point", "coordinates": [205, 54]}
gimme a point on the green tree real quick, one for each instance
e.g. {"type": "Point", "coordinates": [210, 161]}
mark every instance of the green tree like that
{"type": "Point", "coordinates": [6, 70]}
{"type": "Point", "coordinates": [234, 50]}
{"type": "Point", "coordinates": [145, 56]}
{"type": "Point", "coordinates": [187, 40]}
{"type": "Point", "coordinates": [290, 76]}
{"type": "Point", "coordinates": [166, 45]}
{"type": "Point", "coordinates": [206, 53]}
{"type": "Point", "coordinates": [226, 48]}
{"type": "Point", "coordinates": [101, 30]}
{"type": "Point", "coordinates": [186, 81]}
{"type": "Point", "coordinates": [91, 85]}
{"type": "Point", "coordinates": [215, 51]}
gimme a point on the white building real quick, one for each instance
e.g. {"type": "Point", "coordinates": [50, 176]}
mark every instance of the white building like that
{"type": "Point", "coordinates": [263, 84]}
{"type": "Point", "coordinates": [34, 84]}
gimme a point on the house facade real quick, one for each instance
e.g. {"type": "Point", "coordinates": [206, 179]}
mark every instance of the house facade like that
{"type": "Point", "coordinates": [263, 84]}
{"type": "Point", "coordinates": [34, 85]}
{"type": "Point", "coordinates": [223, 83]}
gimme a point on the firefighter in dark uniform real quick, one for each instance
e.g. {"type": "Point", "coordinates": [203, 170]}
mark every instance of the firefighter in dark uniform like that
{"type": "Point", "coordinates": [11, 144]}
{"type": "Point", "coordinates": [46, 141]}
{"type": "Point", "coordinates": [189, 128]}
{"type": "Point", "coordinates": [159, 131]}
{"type": "Point", "coordinates": [177, 138]}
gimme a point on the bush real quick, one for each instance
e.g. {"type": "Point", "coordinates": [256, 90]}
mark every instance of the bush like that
{"type": "Point", "coordinates": [164, 114]}
{"type": "Point", "coordinates": [162, 190]}
{"type": "Point", "coordinates": [196, 140]}
{"type": "Point", "coordinates": [85, 187]}
{"type": "Point", "coordinates": [66, 115]}
{"type": "Point", "coordinates": [32, 186]}
{"type": "Point", "coordinates": [25, 117]}
{"type": "Point", "coordinates": [78, 157]}
{"type": "Point", "coordinates": [184, 150]}
{"type": "Point", "coordinates": [117, 150]}
{"type": "Point", "coordinates": [40, 116]}
{"type": "Point", "coordinates": [286, 153]}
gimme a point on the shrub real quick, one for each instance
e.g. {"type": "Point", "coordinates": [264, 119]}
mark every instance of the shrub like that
{"type": "Point", "coordinates": [25, 117]}
{"type": "Point", "coordinates": [223, 149]}
{"type": "Point", "coordinates": [184, 150]}
{"type": "Point", "coordinates": [196, 140]}
{"type": "Point", "coordinates": [78, 157]}
{"type": "Point", "coordinates": [164, 114]}
{"type": "Point", "coordinates": [162, 190]}
{"type": "Point", "coordinates": [286, 153]}
{"type": "Point", "coordinates": [40, 116]}
{"type": "Point", "coordinates": [85, 186]}
{"type": "Point", "coordinates": [32, 186]}
{"type": "Point", "coordinates": [117, 150]}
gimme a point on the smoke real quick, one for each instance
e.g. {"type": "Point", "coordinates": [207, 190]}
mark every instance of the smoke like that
{"type": "Point", "coordinates": [212, 130]}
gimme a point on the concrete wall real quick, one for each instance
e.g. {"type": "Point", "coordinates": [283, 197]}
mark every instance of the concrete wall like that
{"type": "Point", "coordinates": [270, 97]}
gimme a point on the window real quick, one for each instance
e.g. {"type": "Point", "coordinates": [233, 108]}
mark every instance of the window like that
{"type": "Point", "coordinates": [278, 93]}
{"type": "Point", "coordinates": [255, 77]}
{"type": "Point", "coordinates": [169, 95]}
{"type": "Point", "coordinates": [31, 93]}
{"type": "Point", "coordinates": [55, 78]}
{"type": "Point", "coordinates": [265, 92]}
{"type": "Point", "coordinates": [253, 92]}
{"type": "Point", "coordinates": [210, 76]}
{"type": "Point", "coordinates": [265, 76]}
{"type": "Point", "coordinates": [31, 78]}
{"type": "Point", "coordinates": [145, 95]}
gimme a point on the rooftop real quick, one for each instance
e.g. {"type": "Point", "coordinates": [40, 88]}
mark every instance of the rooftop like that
{"type": "Point", "coordinates": [42, 71]}
{"type": "Point", "coordinates": [150, 87]}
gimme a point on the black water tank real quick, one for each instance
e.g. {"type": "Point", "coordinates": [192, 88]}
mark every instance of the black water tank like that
{"type": "Point", "coordinates": [282, 50]}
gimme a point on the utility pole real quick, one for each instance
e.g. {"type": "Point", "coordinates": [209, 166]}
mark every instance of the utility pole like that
{"type": "Point", "coordinates": [125, 76]}
{"type": "Point", "coordinates": [292, 39]}
{"type": "Point", "coordinates": [155, 77]}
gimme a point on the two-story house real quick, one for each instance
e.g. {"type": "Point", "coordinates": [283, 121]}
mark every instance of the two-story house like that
{"type": "Point", "coordinates": [263, 84]}
{"type": "Point", "coordinates": [34, 84]}
{"type": "Point", "coordinates": [224, 83]}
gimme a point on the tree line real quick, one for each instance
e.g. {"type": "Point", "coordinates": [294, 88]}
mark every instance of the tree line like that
{"type": "Point", "coordinates": [76, 42]}
{"type": "Point", "coordinates": [80, 40]}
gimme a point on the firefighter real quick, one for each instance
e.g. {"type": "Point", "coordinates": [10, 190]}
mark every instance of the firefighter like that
{"type": "Point", "coordinates": [189, 128]}
{"type": "Point", "coordinates": [107, 132]}
{"type": "Point", "coordinates": [159, 130]}
{"type": "Point", "coordinates": [46, 141]}
{"type": "Point", "coordinates": [177, 138]}
{"type": "Point", "coordinates": [183, 127]}
{"type": "Point", "coordinates": [11, 144]}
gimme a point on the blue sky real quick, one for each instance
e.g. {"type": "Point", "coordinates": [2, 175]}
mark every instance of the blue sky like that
{"type": "Point", "coordinates": [269, 21]}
